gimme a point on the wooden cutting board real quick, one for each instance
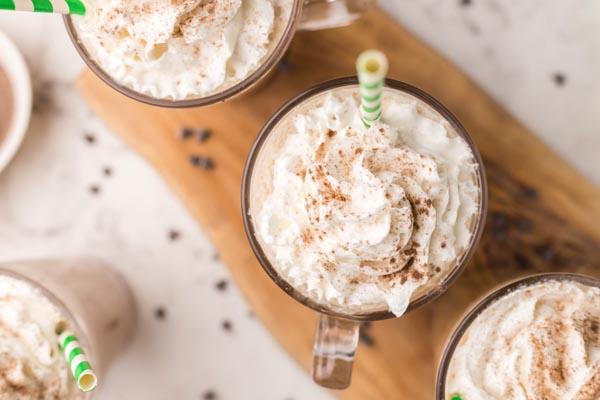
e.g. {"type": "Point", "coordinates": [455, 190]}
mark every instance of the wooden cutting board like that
{"type": "Point", "coordinates": [543, 216]}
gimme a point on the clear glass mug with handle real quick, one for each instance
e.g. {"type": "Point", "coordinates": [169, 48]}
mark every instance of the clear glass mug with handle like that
{"type": "Point", "coordinates": [337, 333]}
{"type": "Point", "coordinates": [305, 15]}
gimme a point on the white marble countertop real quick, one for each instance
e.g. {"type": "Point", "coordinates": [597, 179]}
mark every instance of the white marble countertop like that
{"type": "Point", "coordinates": [70, 189]}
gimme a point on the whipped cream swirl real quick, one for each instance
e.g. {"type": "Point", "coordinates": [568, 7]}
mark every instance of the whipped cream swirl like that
{"type": "Point", "coordinates": [538, 342]}
{"type": "Point", "coordinates": [357, 218]}
{"type": "Point", "coordinates": [31, 365]}
{"type": "Point", "coordinates": [178, 49]}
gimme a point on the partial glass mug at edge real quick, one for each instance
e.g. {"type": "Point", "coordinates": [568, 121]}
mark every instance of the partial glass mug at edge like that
{"type": "Point", "coordinates": [336, 338]}
{"type": "Point", "coordinates": [305, 15]}
{"type": "Point", "coordinates": [94, 298]}
{"type": "Point", "coordinates": [489, 299]}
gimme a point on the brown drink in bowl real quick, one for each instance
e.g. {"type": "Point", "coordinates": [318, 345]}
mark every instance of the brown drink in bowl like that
{"type": "Point", "coordinates": [362, 223]}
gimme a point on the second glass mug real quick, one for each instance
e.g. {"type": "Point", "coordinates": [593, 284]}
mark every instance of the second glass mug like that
{"type": "Point", "coordinates": [305, 15]}
{"type": "Point", "coordinates": [337, 334]}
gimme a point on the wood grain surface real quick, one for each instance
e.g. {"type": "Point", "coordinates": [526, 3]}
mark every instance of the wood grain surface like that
{"type": "Point", "coordinates": [543, 216]}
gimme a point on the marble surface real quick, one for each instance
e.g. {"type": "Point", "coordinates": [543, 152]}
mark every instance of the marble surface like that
{"type": "Point", "coordinates": [75, 188]}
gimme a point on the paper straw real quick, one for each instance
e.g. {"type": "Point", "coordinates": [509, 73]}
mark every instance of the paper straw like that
{"type": "Point", "coordinates": [372, 66]}
{"type": "Point", "coordinates": [45, 6]}
{"type": "Point", "coordinates": [78, 362]}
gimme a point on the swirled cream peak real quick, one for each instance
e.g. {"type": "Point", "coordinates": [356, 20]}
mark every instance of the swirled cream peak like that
{"type": "Point", "coordinates": [31, 365]}
{"type": "Point", "coordinates": [538, 342]}
{"type": "Point", "coordinates": [358, 219]}
{"type": "Point", "coordinates": [178, 49]}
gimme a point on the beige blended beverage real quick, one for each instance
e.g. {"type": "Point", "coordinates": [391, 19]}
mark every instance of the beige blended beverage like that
{"type": "Point", "coordinates": [362, 223]}
{"type": "Point", "coordinates": [185, 53]}
{"type": "Point", "coordinates": [538, 338]}
{"type": "Point", "coordinates": [39, 299]}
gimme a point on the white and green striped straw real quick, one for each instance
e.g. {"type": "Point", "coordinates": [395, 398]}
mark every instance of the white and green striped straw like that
{"type": "Point", "coordinates": [372, 67]}
{"type": "Point", "coordinates": [78, 362]}
{"type": "Point", "coordinates": [45, 6]}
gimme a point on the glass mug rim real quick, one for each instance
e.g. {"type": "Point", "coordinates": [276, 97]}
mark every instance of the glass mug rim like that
{"type": "Point", "coordinates": [247, 180]}
{"type": "Point", "coordinates": [489, 299]}
{"type": "Point", "coordinates": [81, 334]}
{"type": "Point", "coordinates": [246, 83]}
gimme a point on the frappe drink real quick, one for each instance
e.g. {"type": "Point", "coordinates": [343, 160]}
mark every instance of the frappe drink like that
{"type": "Point", "coordinates": [181, 49]}
{"type": "Point", "coordinates": [364, 219]}
{"type": "Point", "coordinates": [538, 341]}
{"type": "Point", "coordinates": [39, 301]}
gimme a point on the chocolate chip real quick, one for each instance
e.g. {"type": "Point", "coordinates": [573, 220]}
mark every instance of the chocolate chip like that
{"type": "Point", "coordinates": [559, 79]}
{"type": "Point", "coordinates": [203, 135]}
{"type": "Point", "coordinates": [107, 171]}
{"type": "Point", "coordinates": [221, 285]}
{"type": "Point", "coordinates": [523, 224]}
{"type": "Point", "coordinates": [174, 235]}
{"type": "Point", "coordinates": [530, 192]}
{"type": "Point", "coordinates": [465, 3]}
{"type": "Point", "coordinates": [202, 162]}
{"type": "Point", "coordinates": [95, 189]}
{"type": "Point", "coordinates": [185, 133]}
{"type": "Point", "coordinates": [209, 395]}
{"type": "Point", "coordinates": [366, 338]}
{"type": "Point", "coordinates": [545, 251]}
{"type": "Point", "coordinates": [227, 326]}
{"type": "Point", "coordinates": [216, 257]}
{"type": "Point", "coordinates": [285, 66]}
{"type": "Point", "coordinates": [90, 138]}
{"type": "Point", "coordinates": [160, 313]}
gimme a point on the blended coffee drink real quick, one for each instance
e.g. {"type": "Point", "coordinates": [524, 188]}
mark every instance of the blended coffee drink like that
{"type": "Point", "coordinates": [31, 364]}
{"type": "Point", "coordinates": [540, 341]}
{"type": "Point", "coordinates": [181, 49]}
{"type": "Point", "coordinates": [41, 299]}
{"type": "Point", "coordinates": [6, 104]}
{"type": "Point", "coordinates": [358, 219]}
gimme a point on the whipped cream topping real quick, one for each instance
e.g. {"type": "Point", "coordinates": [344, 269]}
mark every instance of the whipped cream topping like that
{"type": "Point", "coordinates": [179, 49]}
{"type": "Point", "coordinates": [31, 364]}
{"type": "Point", "coordinates": [538, 342]}
{"type": "Point", "coordinates": [358, 219]}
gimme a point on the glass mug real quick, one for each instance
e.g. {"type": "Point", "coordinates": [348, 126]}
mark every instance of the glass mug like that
{"type": "Point", "coordinates": [305, 15]}
{"type": "Point", "coordinates": [336, 337]}
{"type": "Point", "coordinates": [487, 301]}
{"type": "Point", "coordinates": [94, 298]}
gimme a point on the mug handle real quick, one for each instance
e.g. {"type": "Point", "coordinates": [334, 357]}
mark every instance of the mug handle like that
{"type": "Point", "coordinates": [335, 344]}
{"type": "Point", "coordinates": [323, 14]}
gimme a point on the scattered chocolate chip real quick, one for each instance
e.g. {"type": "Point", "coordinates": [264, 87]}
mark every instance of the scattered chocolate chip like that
{"type": "Point", "coordinates": [89, 137]}
{"type": "Point", "coordinates": [366, 338]}
{"type": "Point", "coordinates": [209, 395]}
{"type": "Point", "coordinates": [216, 257]}
{"type": "Point", "coordinates": [95, 189]}
{"type": "Point", "coordinates": [530, 192]}
{"type": "Point", "coordinates": [185, 133]}
{"type": "Point", "coordinates": [285, 66]}
{"type": "Point", "coordinates": [438, 270]}
{"type": "Point", "coordinates": [203, 135]}
{"type": "Point", "coordinates": [160, 313]}
{"type": "Point", "coordinates": [545, 251]}
{"type": "Point", "coordinates": [221, 285]}
{"type": "Point", "coordinates": [559, 79]}
{"type": "Point", "coordinates": [522, 261]}
{"type": "Point", "coordinates": [523, 224]}
{"type": "Point", "coordinates": [202, 162]}
{"type": "Point", "coordinates": [174, 235]}
{"type": "Point", "coordinates": [465, 3]}
{"type": "Point", "coordinates": [227, 326]}
{"type": "Point", "coordinates": [107, 171]}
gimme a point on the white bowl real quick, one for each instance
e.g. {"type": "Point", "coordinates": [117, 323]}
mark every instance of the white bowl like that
{"type": "Point", "coordinates": [13, 64]}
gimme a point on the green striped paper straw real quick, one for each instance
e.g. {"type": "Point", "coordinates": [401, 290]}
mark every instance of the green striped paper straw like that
{"type": "Point", "coordinates": [372, 66]}
{"type": "Point", "coordinates": [45, 6]}
{"type": "Point", "coordinates": [78, 362]}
